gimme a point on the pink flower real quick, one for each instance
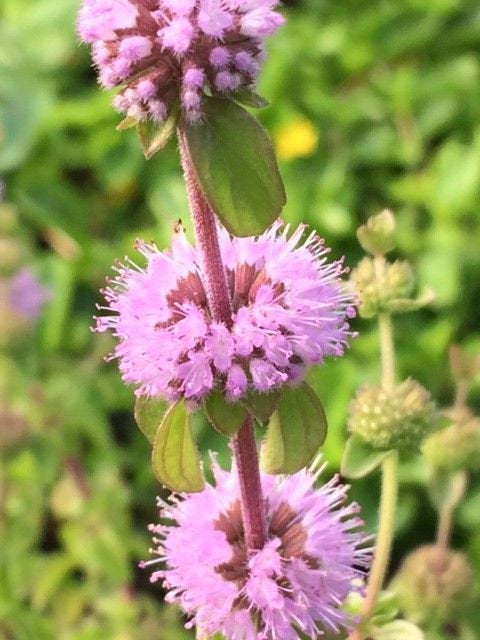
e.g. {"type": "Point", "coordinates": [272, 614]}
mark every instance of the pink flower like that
{"type": "Point", "coordinates": [290, 310]}
{"type": "Point", "coordinates": [313, 558]}
{"type": "Point", "coordinates": [160, 41]}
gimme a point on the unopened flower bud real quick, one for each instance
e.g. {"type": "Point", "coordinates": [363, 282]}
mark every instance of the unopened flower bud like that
{"type": "Point", "coordinates": [392, 420]}
{"type": "Point", "coordinates": [10, 256]}
{"type": "Point", "coordinates": [457, 446]}
{"type": "Point", "coordinates": [432, 583]}
{"type": "Point", "coordinates": [378, 290]}
{"type": "Point", "coordinates": [377, 235]}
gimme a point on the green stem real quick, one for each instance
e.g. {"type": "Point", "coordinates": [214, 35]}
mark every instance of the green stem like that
{"type": "Point", "coordinates": [386, 529]}
{"type": "Point", "coordinates": [387, 351]}
{"type": "Point", "coordinates": [444, 528]}
{"type": "Point", "coordinates": [389, 493]}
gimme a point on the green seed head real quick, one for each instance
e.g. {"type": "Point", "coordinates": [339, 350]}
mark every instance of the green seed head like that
{"type": "Point", "coordinates": [393, 420]}
{"type": "Point", "coordinates": [457, 446]}
{"type": "Point", "coordinates": [432, 584]}
{"type": "Point", "coordinates": [378, 289]}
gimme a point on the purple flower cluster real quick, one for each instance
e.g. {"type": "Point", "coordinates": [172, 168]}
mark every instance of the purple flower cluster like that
{"type": "Point", "coordinates": [290, 310]}
{"type": "Point", "coordinates": [162, 51]}
{"type": "Point", "coordinates": [313, 558]}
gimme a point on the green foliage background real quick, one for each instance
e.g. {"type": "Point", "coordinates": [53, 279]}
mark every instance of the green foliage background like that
{"type": "Point", "coordinates": [393, 90]}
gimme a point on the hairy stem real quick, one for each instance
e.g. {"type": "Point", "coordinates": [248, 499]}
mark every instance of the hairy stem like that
{"type": "Point", "coordinates": [387, 351]}
{"type": "Point", "coordinates": [219, 302]}
{"type": "Point", "coordinates": [389, 493]}
{"type": "Point", "coordinates": [386, 529]}
{"type": "Point", "coordinates": [204, 224]}
{"type": "Point", "coordinates": [444, 527]}
{"type": "Point", "coordinates": [253, 513]}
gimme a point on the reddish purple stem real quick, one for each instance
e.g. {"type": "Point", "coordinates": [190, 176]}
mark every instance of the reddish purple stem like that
{"type": "Point", "coordinates": [220, 305]}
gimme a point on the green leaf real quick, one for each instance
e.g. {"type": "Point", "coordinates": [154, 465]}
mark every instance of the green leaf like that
{"type": "Point", "coordinates": [225, 417]}
{"type": "Point", "coordinates": [175, 459]}
{"type": "Point", "coordinates": [148, 415]}
{"type": "Point", "coordinates": [250, 99]}
{"type": "Point", "coordinates": [261, 405]}
{"type": "Point", "coordinates": [154, 135]}
{"type": "Point", "coordinates": [127, 123]}
{"type": "Point", "coordinates": [386, 608]}
{"type": "Point", "coordinates": [296, 430]}
{"type": "Point", "coordinates": [404, 305]}
{"type": "Point", "coordinates": [397, 630]}
{"type": "Point", "coordinates": [359, 458]}
{"type": "Point", "coordinates": [235, 165]}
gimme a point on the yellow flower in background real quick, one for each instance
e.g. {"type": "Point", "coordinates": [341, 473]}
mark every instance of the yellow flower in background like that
{"type": "Point", "coordinates": [296, 139]}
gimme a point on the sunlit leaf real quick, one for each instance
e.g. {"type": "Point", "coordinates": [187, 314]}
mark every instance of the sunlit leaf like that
{"type": "Point", "coordinates": [175, 459]}
{"type": "Point", "coordinates": [148, 415]}
{"type": "Point", "coordinates": [296, 430]}
{"type": "Point", "coordinates": [359, 458]}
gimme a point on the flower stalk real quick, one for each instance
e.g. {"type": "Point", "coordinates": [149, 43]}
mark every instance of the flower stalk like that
{"type": "Point", "coordinates": [389, 491]}
{"type": "Point", "coordinates": [243, 446]}
{"type": "Point", "coordinates": [386, 530]}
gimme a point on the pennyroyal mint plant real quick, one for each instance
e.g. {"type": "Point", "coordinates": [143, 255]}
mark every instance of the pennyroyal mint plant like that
{"type": "Point", "coordinates": [229, 326]}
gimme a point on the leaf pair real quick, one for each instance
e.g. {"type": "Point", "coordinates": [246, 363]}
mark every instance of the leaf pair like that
{"type": "Point", "coordinates": [296, 430]}
{"type": "Point", "coordinates": [297, 424]}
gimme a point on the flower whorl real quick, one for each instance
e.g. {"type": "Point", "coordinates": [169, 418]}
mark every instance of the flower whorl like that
{"type": "Point", "coordinates": [162, 51]}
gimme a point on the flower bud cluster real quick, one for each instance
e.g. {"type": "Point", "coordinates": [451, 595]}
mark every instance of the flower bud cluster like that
{"type": "Point", "coordinates": [432, 583]}
{"type": "Point", "coordinates": [165, 51]}
{"type": "Point", "coordinates": [377, 236]}
{"type": "Point", "coordinates": [457, 446]}
{"type": "Point", "coordinates": [399, 419]}
{"type": "Point", "coordinates": [380, 289]}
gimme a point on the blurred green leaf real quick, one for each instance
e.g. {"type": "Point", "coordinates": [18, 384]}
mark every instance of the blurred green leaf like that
{"type": "Point", "coordinates": [397, 630]}
{"type": "Point", "coordinates": [446, 489]}
{"type": "Point", "coordinates": [359, 459]}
